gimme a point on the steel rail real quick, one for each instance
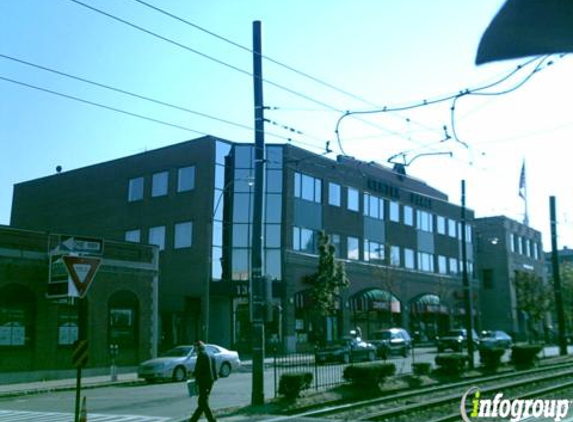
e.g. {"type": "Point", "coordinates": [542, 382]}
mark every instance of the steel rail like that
{"type": "Point", "coordinates": [347, 407]}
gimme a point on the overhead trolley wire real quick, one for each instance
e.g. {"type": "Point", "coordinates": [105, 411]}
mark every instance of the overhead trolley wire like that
{"type": "Point", "coordinates": [223, 63]}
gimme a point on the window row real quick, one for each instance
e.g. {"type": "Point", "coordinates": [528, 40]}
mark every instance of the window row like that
{"type": "Point", "coordinates": [310, 188]}
{"type": "Point", "coordinates": [182, 235]}
{"type": "Point", "coordinates": [523, 246]}
{"type": "Point", "coordinates": [160, 183]}
{"type": "Point", "coordinates": [306, 240]}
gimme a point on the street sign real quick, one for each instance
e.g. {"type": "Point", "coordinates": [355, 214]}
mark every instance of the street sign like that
{"type": "Point", "coordinates": [81, 245]}
{"type": "Point", "coordinates": [59, 279]}
{"type": "Point", "coordinates": [80, 353]}
{"type": "Point", "coordinates": [82, 270]}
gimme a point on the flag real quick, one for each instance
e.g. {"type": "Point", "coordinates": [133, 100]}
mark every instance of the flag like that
{"type": "Point", "coordinates": [522, 181]}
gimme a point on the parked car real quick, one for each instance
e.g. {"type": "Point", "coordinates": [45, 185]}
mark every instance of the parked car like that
{"type": "Point", "coordinates": [392, 341]}
{"type": "Point", "coordinates": [178, 363]}
{"type": "Point", "coordinates": [456, 340]}
{"type": "Point", "coordinates": [346, 350]}
{"type": "Point", "coordinates": [495, 339]}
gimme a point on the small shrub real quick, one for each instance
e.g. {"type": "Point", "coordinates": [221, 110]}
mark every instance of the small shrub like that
{"type": "Point", "coordinates": [291, 384]}
{"type": "Point", "coordinates": [525, 356]}
{"type": "Point", "coordinates": [369, 374]}
{"type": "Point", "coordinates": [452, 364]}
{"type": "Point", "coordinates": [421, 368]}
{"type": "Point", "coordinates": [491, 358]}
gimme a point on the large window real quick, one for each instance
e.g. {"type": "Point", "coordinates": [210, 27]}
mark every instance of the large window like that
{"type": "Point", "coordinates": [133, 236]}
{"type": "Point", "coordinates": [67, 325]}
{"type": "Point", "coordinates": [186, 179]}
{"type": "Point", "coordinates": [373, 251]}
{"type": "Point", "coordinates": [307, 187]}
{"type": "Point", "coordinates": [442, 264]}
{"type": "Point", "coordinates": [123, 319]}
{"type": "Point", "coordinates": [394, 211]}
{"type": "Point", "coordinates": [373, 206]}
{"type": "Point", "coordinates": [135, 192]}
{"type": "Point", "coordinates": [452, 228]}
{"type": "Point", "coordinates": [334, 194]}
{"type": "Point", "coordinates": [425, 221]}
{"type": "Point", "coordinates": [183, 235]}
{"type": "Point", "coordinates": [353, 199]}
{"type": "Point", "coordinates": [395, 256]}
{"type": "Point", "coordinates": [353, 248]}
{"type": "Point", "coordinates": [159, 184]}
{"type": "Point", "coordinates": [409, 259]}
{"type": "Point", "coordinates": [157, 236]}
{"type": "Point", "coordinates": [408, 215]}
{"type": "Point", "coordinates": [441, 223]}
{"type": "Point", "coordinates": [16, 316]}
{"type": "Point", "coordinates": [454, 266]}
{"type": "Point", "coordinates": [304, 240]}
{"type": "Point", "coordinates": [425, 262]}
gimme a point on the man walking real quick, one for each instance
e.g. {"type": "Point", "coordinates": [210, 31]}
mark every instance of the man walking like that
{"type": "Point", "coordinates": [205, 375]}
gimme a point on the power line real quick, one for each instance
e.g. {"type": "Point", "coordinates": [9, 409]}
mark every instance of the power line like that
{"type": "Point", "coordinates": [128, 113]}
{"type": "Point", "coordinates": [221, 62]}
{"type": "Point", "coordinates": [122, 91]}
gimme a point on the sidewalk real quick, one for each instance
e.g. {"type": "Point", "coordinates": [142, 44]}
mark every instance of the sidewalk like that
{"type": "Point", "coordinates": [34, 387]}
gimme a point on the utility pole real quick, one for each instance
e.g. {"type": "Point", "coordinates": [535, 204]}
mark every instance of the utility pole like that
{"type": "Point", "coordinates": [256, 289]}
{"type": "Point", "coordinates": [557, 279]}
{"type": "Point", "coordinates": [466, 282]}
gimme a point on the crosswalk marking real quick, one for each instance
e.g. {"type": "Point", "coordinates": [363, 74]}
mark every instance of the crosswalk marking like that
{"type": "Point", "coordinates": [21, 416]}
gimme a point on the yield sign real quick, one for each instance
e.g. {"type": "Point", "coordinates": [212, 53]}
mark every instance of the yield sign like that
{"type": "Point", "coordinates": [82, 271]}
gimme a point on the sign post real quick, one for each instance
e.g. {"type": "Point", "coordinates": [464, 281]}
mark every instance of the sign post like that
{"type": "Point", "coordinates": [73, 266]}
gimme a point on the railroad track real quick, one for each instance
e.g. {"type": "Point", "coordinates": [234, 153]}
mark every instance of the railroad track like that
{"type": "Point", "coordinates": [422, 401]}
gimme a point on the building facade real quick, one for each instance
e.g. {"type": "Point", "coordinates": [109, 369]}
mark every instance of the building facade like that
{"type": "Point", "coordinates": [505, 248]}
{"type": "Point", "coordinates": [400, 239]}
{"type": "Point", "coordinates": [37, 332]}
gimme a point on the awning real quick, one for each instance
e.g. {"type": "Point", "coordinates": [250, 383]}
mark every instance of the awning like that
{"type": "Point", "coordinates": [375, 300]}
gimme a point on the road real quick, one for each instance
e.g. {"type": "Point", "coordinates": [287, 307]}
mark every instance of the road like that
{"type": "Point", "coordinates": [159, 402]}
{"type": "Point", "coordinates": [162, 402]}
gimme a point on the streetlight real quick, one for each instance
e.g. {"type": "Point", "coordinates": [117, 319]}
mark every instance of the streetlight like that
{"type": "Point", "coordinates": [206, 287]}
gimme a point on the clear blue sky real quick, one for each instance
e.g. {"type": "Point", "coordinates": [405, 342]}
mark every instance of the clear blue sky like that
{"type": "Point", "coordinates": [375, 53]}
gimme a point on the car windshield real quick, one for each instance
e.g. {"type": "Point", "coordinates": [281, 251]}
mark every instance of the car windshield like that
{"type": "Point", "coordinates": [383, 335]}
{"type": "Point", "coordinates": [177, 352]}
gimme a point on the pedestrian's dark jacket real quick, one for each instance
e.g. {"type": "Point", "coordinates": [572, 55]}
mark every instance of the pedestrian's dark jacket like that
{"type": "Point", "coordinates": [205, 369]}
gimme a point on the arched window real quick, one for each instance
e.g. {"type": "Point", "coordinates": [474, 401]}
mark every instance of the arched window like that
{"type": "Point", "coordinates": [16, 316]}
{"type": "Point", "coordinates": [123, 319]}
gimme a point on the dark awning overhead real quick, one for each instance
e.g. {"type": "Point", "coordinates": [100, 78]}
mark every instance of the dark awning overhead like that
{"type": "Point", "coordinates": [375, 299]}
{"type": "Point", "coordinates": [528, 28]}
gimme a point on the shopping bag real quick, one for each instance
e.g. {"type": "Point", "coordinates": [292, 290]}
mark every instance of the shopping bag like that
{"type": "Point", "coordinates": [192, 387]}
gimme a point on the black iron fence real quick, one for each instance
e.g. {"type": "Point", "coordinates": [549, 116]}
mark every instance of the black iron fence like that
{"type": "Point", "coordinates": [324, 376]}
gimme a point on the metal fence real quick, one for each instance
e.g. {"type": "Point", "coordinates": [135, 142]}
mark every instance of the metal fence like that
{"type": "Point", "coordinates": [324, 376]}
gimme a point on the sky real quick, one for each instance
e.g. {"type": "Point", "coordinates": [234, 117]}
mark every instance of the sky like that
{"type": "Point", "coordinates": [87, 81]}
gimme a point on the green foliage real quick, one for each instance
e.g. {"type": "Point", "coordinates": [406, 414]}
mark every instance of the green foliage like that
{"type": "Point", "coordinates": [421, 368]}
{"type": "Point", "coordinates": [452, 363]}
{"type": "Point", "coordinates": [491, 358]}
{"type": "Point", "coordinates": [532, 296]}
{"type": "Point", "coordinates": [370, 374]}
{"type": "Point", "coordinates": [329, 280]}
{"type": "Point", "coordinates": [566, 272]}
{"type": "Point", "coordinates": [291, 384]}
{"type": "Point", "coordinates": [525, 355]}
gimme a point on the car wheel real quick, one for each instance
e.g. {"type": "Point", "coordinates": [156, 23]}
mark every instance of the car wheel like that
{"type": "Point", "coordinates": [179, 374]}
{"type": "Point", "coordinates": [371, 356]}
{"type": "Point", "coordinates": [225, 370]}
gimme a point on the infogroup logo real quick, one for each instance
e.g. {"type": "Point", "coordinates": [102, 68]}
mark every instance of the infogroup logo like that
{"type": "Point", "coordinates": [513, 410]}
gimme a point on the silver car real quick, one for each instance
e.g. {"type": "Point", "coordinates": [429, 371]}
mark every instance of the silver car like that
{"type": "Point", "coordinates": [178, 363]}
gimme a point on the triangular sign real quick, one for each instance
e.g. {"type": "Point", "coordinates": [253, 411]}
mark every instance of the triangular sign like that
{"type": "Point", "coordinates": [82, 271]}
